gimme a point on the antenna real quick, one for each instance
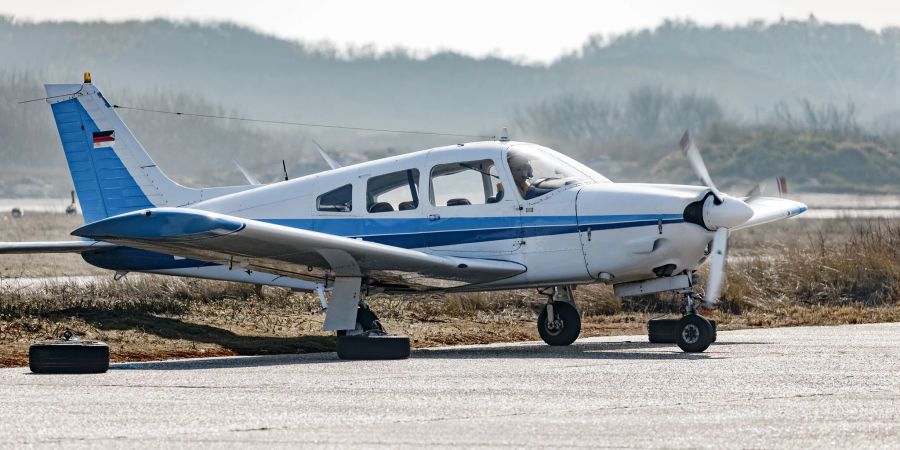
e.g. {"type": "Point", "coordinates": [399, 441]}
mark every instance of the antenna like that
{"type": "Point", "coordinates": [504, 135]}
{"type": "Point", "coordinates": [284, 167]}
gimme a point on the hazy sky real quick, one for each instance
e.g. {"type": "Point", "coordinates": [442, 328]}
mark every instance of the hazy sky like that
{"type": "Point", "coordinates": [529, 30]}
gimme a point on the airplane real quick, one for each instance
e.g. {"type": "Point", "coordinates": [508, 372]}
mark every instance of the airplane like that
{"type": "Point", "coordinates": [474, 216]}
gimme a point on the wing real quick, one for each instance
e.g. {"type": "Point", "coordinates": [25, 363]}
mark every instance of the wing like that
{"type": "Point", "coordinates": [262, 246]}
{"type": "Point", "coordinates": [770, 209]}
{"type": "Point", "coordinates": [53, 247]}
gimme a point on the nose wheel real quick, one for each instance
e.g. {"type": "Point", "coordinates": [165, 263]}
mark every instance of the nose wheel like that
{"type": "Point", "coordinates": [694, 333]}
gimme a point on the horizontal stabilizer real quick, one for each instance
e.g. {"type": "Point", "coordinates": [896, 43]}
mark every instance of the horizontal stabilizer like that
{"type": "Point", "coordinates": [53, 247]}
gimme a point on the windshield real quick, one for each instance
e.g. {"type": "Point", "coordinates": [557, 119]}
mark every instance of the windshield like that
{"type": "Point", "coordinates": [538, 170]}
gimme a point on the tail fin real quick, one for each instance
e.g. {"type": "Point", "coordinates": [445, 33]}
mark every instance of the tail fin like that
{"type": "Point", "coordinates": [112, 172]}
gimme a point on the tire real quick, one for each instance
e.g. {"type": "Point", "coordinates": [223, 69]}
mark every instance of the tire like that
{"type": "Point", "coordinates": [662, 331]}
{"type": "Point", "coordinates": [571, 324]}
{"type": "Point", "coordinates": [374, 347]}
{"type": "Point", "coordinates": [694, 334]}
{"type": "Point", "coordinates": [68, 357]}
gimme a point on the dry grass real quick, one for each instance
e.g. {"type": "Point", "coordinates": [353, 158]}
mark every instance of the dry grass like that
{"type": "Point", "coordinates": [854, 265]}
{"type": "Point", "coordinates": [795, 273]}
{"type": "Point", "coordinates": [42, 227]}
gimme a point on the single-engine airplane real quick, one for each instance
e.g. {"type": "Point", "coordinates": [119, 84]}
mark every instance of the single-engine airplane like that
{"type": "Point", "coordinates": [477, 216]}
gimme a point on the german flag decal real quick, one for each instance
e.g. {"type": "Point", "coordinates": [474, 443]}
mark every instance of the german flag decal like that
{"type": "Point", "coordinates": [104, 138]}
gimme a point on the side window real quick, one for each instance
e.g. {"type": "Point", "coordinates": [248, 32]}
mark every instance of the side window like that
{"type": "Point", "coordinates": [338, 200]}
{"type": "Point", "coordinates": [465, 183]}
{"type": "Point", "coordinates": [396, 191]}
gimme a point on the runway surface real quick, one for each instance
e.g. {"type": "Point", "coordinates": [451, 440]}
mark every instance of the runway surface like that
{"type": "Point", "coordinates": [788, 387]}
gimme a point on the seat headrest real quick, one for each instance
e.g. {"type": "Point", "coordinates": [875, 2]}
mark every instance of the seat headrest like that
{"type": "Point", "coordinates": [381, 207]}
{"type": "Point", "coordinates": [458, 201]}
{"type": "Point", "coordinates": [496, 198]}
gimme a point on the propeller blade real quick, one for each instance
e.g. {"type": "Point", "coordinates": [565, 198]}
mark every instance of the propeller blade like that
{"type": "Point", "coordinates": [716, 277]}
{"type": "Point", "coordinates": [328, 159]}
{"type": "Point", "coordinates": [696, 161]}
{"type": "Point", "coordinates": [780, 184]}
{"type": "Point", "coordinates": [250, 178]}
{"type": "Point", "coordinates": [753, 193]}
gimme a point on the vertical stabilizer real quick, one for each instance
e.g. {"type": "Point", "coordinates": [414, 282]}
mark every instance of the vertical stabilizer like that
{"type": "Point", "coordinates": [112, 172]}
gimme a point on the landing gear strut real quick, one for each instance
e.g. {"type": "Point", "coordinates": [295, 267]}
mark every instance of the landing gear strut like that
{"type": "Point", "coordinates": [369, 340]}
{"type": "Point", "coordinates": [559, 323]}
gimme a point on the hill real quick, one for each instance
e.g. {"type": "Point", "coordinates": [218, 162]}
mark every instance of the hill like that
{"type": "Point", "coordinates": [732, 76]}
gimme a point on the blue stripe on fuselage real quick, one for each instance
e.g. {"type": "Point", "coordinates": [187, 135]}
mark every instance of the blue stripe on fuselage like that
{"type": "Point", "coordinates": [421, 232]}
{"type": "Point", "coordinates": [406, 233]}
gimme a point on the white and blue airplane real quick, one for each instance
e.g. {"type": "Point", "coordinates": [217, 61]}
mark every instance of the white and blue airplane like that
{"type": "Point", "coordinates": [478, 216]}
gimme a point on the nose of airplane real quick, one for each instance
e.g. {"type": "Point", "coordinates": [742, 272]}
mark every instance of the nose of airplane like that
{"type": "Point", "coordinates": [729, 212]}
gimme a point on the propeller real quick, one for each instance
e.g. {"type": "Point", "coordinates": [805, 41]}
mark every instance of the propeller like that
{"type": "Point", "coordinates": [328, 159]}
{"type": "Point", "coordinates": [760, 189]}
{"type": "Point", "coordinates": [696, 161]}
{"type": "Point", "coordinates": [250, 178]}
{"type": "Point", "coordinates": [719, 213]}
{"type": "Point", "coordinates": [716, 278]}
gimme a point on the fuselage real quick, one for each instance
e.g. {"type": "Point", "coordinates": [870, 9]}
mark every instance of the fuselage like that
{"type": "Point", "coordinates": [445, 201]}
{"type": "Point", "coordinates": [520, 205]}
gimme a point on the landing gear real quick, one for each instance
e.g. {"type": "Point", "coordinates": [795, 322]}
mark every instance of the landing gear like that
{"type": "Point", "coordinates": [366, 323]}
{"type": "Point", "coordinates": [559, 323]}
{"type": "Point", "coordinates": [369, 340]}
{"type": "Point", "coordinates": [693, 333]}
{"type": "Point", "coordinates": [360, 333]}
{"type": "Point", "coordinates": [662, 331]}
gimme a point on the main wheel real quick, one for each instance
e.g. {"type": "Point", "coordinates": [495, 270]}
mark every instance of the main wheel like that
{"type": "Point", "coordinates": [694, 333]}
{"type": "Point", "coordinates": [369, 341]}
{"type": "Point", "coordinates": [68, 357]}
{"type": "Point", "coordinates": [565, 326]}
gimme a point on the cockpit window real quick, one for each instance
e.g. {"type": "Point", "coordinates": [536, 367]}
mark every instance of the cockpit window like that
{"type": "Point", "coordinates": [537, 171]}
{"type": "Point", "coordinates": [465, 183]}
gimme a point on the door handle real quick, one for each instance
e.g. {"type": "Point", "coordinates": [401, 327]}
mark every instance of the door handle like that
{"type": "Point", "coordinates": [433, 217]}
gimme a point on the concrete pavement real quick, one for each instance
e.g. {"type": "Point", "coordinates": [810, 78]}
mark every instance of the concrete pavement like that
{"type": "Point", "coordinates": [788, 387]}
